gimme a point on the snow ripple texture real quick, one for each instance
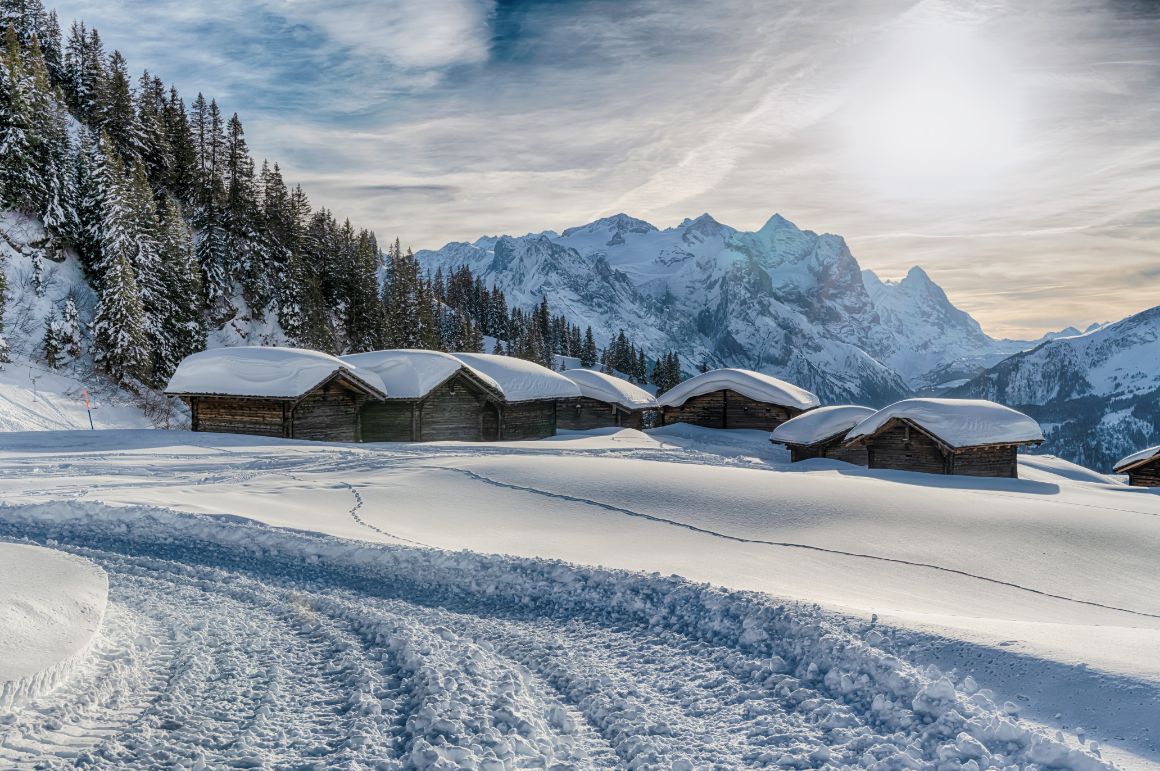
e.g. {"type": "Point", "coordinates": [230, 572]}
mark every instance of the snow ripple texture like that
{"type": "Point", "coordinates": [231, 644]}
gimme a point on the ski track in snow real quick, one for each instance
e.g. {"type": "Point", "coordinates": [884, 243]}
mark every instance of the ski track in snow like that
{"type": "Point", "coordinates": [231, 644]}
{"type": "Point", "coordinates": [783, 544]}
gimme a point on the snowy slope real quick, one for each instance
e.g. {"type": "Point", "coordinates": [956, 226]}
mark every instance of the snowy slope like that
{"type": "Point", "coordinates": [781, 300]}
{"type": "Point", "coordinates": [1096, 394]}
{"type": "Point", "coordinates": [378, 647]}
{"type": "Point", "coordinates": [51, 608]}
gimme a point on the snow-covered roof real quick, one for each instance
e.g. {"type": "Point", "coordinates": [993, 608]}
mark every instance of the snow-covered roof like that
{"type": "Point", "coordinates": [614, 390]}
{"type": "Point", "coordinates": [755, 385]}
{"type": "Point", "coordinates": [957, 422]}
{"type": "Point", "coordinates": [520, 380]}
{"type": "Point", "coordinates": [820, 424]}
{"type": "Point", "coordinates": [1137, 458]}
{"type": "Point", "coordinates": [412, 374]}
{"type": "Point", "coordinates": [280, 373]}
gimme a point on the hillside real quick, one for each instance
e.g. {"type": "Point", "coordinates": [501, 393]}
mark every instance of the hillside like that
{"type": "Point", "coordinates": [1096, 394]}
{"type": "Point", "coordinates": [782, 300]}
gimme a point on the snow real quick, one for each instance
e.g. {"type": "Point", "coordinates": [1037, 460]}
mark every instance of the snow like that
{"type": "Point", "coordinates": [755, 385]}
{"type": "Point", "coordinates": [1136, 457]}
{"type": "Point", "coordinates": [260, 371]}
{"type": "Point", "coordinates": [412, 374]}
{"type": "Point", "coordinates": [614, 390]}
{"type": "Point", "coordinates": [957, 422]}
{"type": "Point", "coordinates": [521, 380]}
{"type": "Point", "coordinates": [820, 424]}
{"type": "Point", "coordinates": [34, 398]}
{"type": "Point", "coordinates": [873, 615]}
{"type": "Point", "coordinates": [51, 606]}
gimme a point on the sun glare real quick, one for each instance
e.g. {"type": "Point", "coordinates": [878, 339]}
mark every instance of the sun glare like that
{"type": "Point", "coordinates": [937, 116]}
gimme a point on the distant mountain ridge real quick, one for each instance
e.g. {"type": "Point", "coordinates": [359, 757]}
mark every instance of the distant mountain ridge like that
{"type": "Point", "coordinates": [781, 300]}
{"type": "Point", "coordinates": [1097, 394]}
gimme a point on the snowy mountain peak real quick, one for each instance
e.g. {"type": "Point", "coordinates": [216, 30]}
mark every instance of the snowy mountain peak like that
{"type": "Point", "coordinates": [617, 224]}
{"type": "Point", "coordinates": [775, 223]}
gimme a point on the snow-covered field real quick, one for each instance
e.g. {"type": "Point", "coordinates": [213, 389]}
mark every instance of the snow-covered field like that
{"type": "Point", "coordinates": [826, 613]}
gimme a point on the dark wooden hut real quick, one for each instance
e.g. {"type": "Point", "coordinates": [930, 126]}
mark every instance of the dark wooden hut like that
{"type": "Point", "coordinates": [1142, 468]}
{"type": "Point", "coordinates": [278, 392]}
{"type": "Point", "coordinates": [946, 436]}
{"type": "Point", "coordinates": [605, 401]}
{"type": "Point", "coordinates": [821, 433]}
{"type": "Point", "coordinates": [734, 398]}
{"type": "Point", "coordinates": [431, 397]}
{"type": "Point", "coordinates": [531, 394]}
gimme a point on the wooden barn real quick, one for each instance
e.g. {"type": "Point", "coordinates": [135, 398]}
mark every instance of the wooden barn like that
{"type": "Point", "coordinates": [531, 394]}
{"type": "Point", "coordinates": [431, 397]}
{"type": "Point", "coordinates": [821, 433]}
{"type": "Point", "coordinates": [734, 398]}
{"type": "Point", "coordinates": [1142, 468]}
{"type": "Point", "coordinates": [971, 437]}
{"type": "Point", "coordinates": [281, 392]}
{"type": "Point", "coordinates": [605, 401]}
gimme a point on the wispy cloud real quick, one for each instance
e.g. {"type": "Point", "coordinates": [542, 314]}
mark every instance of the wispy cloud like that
{"type": "Point", "coordinates": [441, 120]}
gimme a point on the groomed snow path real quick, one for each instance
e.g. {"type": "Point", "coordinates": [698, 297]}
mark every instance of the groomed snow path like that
{"type": "Point", "coordinates": [231, 644]}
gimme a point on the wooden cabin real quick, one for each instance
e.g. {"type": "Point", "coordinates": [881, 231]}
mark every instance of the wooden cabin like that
{"type": "Point", "coordinates": [531, 394]}
{"type": "Point", "coordinates": [431, 397]}
{"type": "Point", "coordinates": [821, 433]}
{"type": "Point", "coordinates": [734, 398]}
{"type": "Point", "coordinates": [1142, 468]}
{"type": "Point", "coordinates": [277, 392]}
{"type": "Point", "coordinates": [968, 437]}
{"type": "Point", "coordinates": [605, 401]}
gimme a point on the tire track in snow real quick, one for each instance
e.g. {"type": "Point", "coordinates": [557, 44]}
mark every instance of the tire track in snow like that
{"type": "Point", "coordinates": [783, 544]}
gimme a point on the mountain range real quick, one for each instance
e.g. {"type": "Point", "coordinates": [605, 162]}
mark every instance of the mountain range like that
{"type": "Point", "coordinates": [781, 300]}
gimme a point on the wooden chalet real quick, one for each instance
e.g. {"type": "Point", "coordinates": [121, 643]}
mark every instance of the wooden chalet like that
{"type": "Point", "coordinates": [734, 398]}
{"type": "Point", "coordinates": [821, 433]}
{"type": "Point", "coordinates": [605, 401]}
{"type": "Point", "coordinates": [1142, 468]}
{"type": "Point", "coordinates": [969, 437]}
{"type": "Point", "coordinates": [431, 397]}
{"type": "Point", "coordinates": [278, 392]}
{"type": "Point", "coordinates": [531, 394]}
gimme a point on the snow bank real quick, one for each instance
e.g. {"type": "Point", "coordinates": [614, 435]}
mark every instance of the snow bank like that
{"type": "Point", "coordinates": [958, 422]}
{"type": "Point", "coordinates": [875, 708]}
{"type": "Point", "coordinates": [521, 380]}
{"type": "Point", "coordinates": [282, 373]}
{"type": "Point", "coordinates": [820, 424]}
{"type": "Point", "coordinates": [755, 385]}
{"type": "Point", "coordinates": [1136, 457]}
{"type": "Point", "coordinates": [614, 390]}
{"type": "Point", "coordinates": [412, 374]}
{"type": "Point", "coordinates": [51, 607]}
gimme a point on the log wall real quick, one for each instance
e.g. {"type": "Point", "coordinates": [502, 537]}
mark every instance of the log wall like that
{"type": "Point", "coordinates": [528, 420]}
{"type": "Point", "coordinates": [729, 409]}
{"type": "Point", "coordinates": [585, 413]}
{"type": "Point", "coordinates": [834, 449]}
{"type": "Point", "coordinates": [1147, 475]}
{"type": "Point", "coordinates": [329, 414]}
{"type": "Point", "coordinates": [998, 461]}
{"type": "Point", "coordinates": [389, 421]}
{"type": "Point", "coordinates": [233, 415]}
{"type": "Point", "coordinates": [452, 412]}
{"type": "Point", "coordinates": [905, 449]}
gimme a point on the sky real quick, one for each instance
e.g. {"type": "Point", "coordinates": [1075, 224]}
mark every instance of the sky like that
{"type": "Point", "coordinates": [1009, 147]}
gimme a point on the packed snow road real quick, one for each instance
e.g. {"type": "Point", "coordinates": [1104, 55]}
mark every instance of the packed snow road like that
{"type": "Point", "coordinates": [232, 644]}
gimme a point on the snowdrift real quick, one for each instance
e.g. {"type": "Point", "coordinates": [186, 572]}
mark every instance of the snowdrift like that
{"type": "Point", "coordinates": [614, 390]}
{"type": "Point", "coordinates": [282, 373]}
{"type": "Point", "coordinates": [412, 374]}
{"type": "Point", "coordinates": [957, 422]}
{"type": "Point", "coordinates": [521, 381]}
{"type": "Point", "coordinates": [756, 385]}
{"type": "Point", "coordinates": [51, 608]}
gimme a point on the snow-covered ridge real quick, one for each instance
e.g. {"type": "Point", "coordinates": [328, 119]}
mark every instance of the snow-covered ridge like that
{"type": "Point", "coordinates": [412, 374]}
{"type": "Point", "coordinates": [957, 422]}
{"type": "Point", "coordinates": [262, 371]}
{"type": "Point", "coordinates": [756, 385]}
{"type": "Point", "coordinates": [521, 380]}
{"type": "Point", "coordinates": [820, 424]}
{"type": "Point", "coordinates": [614, 390]}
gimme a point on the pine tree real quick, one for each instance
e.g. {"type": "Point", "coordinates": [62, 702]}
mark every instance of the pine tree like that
{"type": "Point", "coordinates": [588, 352]}
{"type": "Point", "coordinates": [18, 178]}
{"type": "Point", "coordinates": [3, 296]}
{"type": "Point", "coordinates": [71, 328]}
{"type": "Point", "coordinates": [182, 330]}
{"type": "Point", "coordinates": [52, 344]}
